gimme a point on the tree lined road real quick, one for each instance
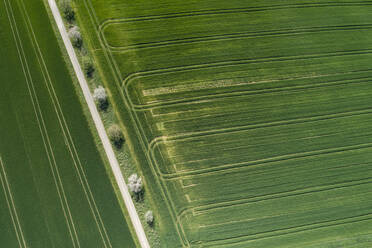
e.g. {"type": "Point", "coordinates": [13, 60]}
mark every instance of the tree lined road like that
{"type": "Point", "coordinates": [100, 128]}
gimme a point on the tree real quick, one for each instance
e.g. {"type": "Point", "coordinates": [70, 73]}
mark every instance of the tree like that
{"type": "Point", "coordinates": [88, 69]}
{"type": "Point", "coordinates": [116, 136]}
{"type": "Point", "coordinates": [135, 186]}
{"type": "Point", "coordinates": [75, 36]}
{"type": "Point", "coordinates": [100, 97]}
{"type": "Point", "coordinates": [67, 10]}
{"type": "Point", "coordinates": [149, 217]}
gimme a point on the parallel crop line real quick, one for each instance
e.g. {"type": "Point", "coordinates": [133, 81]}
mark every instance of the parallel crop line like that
{"type": "Point", "coordinates": [139, 129]}
{"type": "Point", "coordinates": [196, 134]}
{"type": "Point", "coordinates": [243, 93]}
{"type": "Point", "coordinates": [204, 149]}
{"type": "Point", "coordinates": [239, 81]}
{"type": "Point", "coordinates": [232, 11]}
{"type": "Point", "coordinates": [165, 187]}
{"type": "Point", "coordinates": [191, 136]}
{"type": "Point", "coordinates": [198, 67]}
{"type": "Point", "coordinates": [137, 126]}
{"type": "Point", "coordinates": [187, 68]}
{"type": "Point", "coordinates": [41, 124]}
{"type": "Point", "coordinates": [291, 230]}
{"type": "Point", "coordinates": [205, 208]}
{"type": "Point", "coordinates": [69, 141]}
{"type": "Point", "coordinates": [234, 36]}
{"type": "Point", "coordinates": [261, 162]}
{"type": "Point", "coordinates": [11, 206]}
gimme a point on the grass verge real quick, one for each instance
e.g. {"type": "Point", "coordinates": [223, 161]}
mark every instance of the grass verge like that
{"type": "Point", "coordinates": [123, 154]}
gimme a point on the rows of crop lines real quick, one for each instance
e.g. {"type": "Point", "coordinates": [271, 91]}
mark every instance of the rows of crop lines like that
{"type": "Point", "coordinates": [54, 190]}
{"type": "Point", "coordinates": [251, 117]}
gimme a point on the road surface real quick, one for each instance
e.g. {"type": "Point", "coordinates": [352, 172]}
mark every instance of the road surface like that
{"type": "Point", "coordinates": [100, 128]}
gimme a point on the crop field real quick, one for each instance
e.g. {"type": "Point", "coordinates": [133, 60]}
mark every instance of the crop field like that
{"type": "Point", "coordinates": [54, 189]}
{"type": "Point", "coordinates": [251, 120]}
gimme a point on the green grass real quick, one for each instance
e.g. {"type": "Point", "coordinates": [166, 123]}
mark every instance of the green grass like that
{"type": "Point", "coordinates": [124, 157]}
{"type": "Point", "coordinates": [249, 120]}
{"type": "Point", "coordinates": [55, 191]}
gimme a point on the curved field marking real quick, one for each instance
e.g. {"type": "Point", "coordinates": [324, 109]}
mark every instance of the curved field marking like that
{"type": "Point", "coordinates": [261, 162]}
{"type": "Point", "coordinates": [108, 22]}
{"type": "Point", "coordinates": [66, 133]}
{"type": "Point", "coordinates": [228, 82]}
{"type": "Point", "coordinates": [240, 220]}
{"type": "Point", "coordinates": [190, 136]}
{"type": "Point", "coordinates": [137, 75]}
{"type": "Point", "coordinates": [310, 190]}
{"type": "Point", "coordinates": [247, 92]}
{"type": "Point", "coordinates": [163, 177]}
{"type": "Point", "coordinates": [232, 36]}
{"type": "Point", "coordinates": [285, 231]}
{"type": "Point", "coordinates": [11, 206]}
{"type": "Point", "coordinates": [138, 128]}
{"type": "Point", "coordinates": [125, 101]}
{"type": "Point", "coordinates": [104, 23]}
{"type": "Point", "coordinates": [240, 93]}
{"type": "Point", "coordinates": [203, 209]}
{"type": "Point", "coordinates": [158, 139]}
{"type": "Point", "coordinates": [44, 134]}
{"type": "Point", "coordinates": [115, 72]}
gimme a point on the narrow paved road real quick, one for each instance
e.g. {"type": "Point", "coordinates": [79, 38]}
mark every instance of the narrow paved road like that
{"type": "Point", "coordinates": [100, 128]}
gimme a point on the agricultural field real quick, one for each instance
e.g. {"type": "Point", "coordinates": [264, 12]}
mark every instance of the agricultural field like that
{"type": "Point", "coordinates": [54, 188]}
{"type": "Point", "coordinates": [250, 120]}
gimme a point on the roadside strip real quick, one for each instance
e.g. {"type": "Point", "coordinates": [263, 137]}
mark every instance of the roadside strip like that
{"type": "Point", "coordinates": [100, 128]}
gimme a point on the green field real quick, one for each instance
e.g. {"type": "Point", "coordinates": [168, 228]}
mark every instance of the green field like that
{"type": "Point", "coordinates": [54, 189]}
{"type": "Point", "coordinates": [250, 120]}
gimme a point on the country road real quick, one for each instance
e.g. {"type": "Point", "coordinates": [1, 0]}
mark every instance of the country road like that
{"type": "Point", "coordinates": [100, 128]}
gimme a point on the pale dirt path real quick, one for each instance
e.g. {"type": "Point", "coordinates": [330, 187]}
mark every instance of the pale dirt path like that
{"type": "Point", "coordinates": [100, 128]}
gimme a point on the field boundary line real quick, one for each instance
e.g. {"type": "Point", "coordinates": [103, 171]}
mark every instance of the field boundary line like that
{"type": "Point", "coordinates": [69, 141]}
{"type": "Point", "coordinates": [37, 111]}
{"type": "Point", "coordinates": [231, 36]}
{"type": "Point", "coordinates": [100, 128]}
{"type": "Point", "coordinates": [11, 206]}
